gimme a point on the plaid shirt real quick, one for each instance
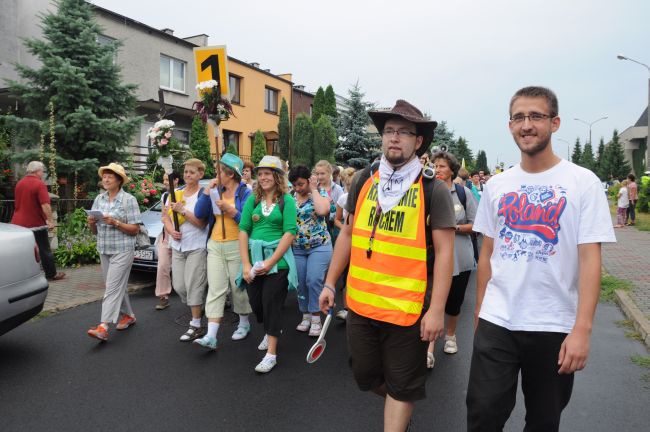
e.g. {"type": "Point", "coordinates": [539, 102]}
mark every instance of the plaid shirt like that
{"type": "Point", "coordinates": [124, 208]}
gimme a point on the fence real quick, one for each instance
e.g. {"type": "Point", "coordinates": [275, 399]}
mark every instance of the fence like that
{"type": "Point", "coordinates": [64, 206]}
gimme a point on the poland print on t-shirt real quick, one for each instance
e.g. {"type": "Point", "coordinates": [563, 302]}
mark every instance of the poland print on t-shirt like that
{"type": "Point", "coordinates": [530, 222]}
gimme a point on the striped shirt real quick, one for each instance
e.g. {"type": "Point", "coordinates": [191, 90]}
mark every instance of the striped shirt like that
{"type": "Point", "coordinates": [124, 208]}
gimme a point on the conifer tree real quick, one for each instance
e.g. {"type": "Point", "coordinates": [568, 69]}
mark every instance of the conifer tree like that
{"type": "Point", "coordinates": [330, 103]}
{"type": "Point", "coordinates": [599, 157]}
{"type": "Point", "coordinates": [462, 151]}
{"type": "Point", "coordinates": [577, 152]}
{"type": "Point", "coordinates": [303, 141]}
{"type": "Point", "coordinates": [325, 139]}
{"type": "Point", "coordinates": [614, 166]}
{"type": "Point", "coordinates": [356, 147]}
{"type": "Point", "coordinates": [318, 109]}
{"type": "Point", "coordinates": [284, 131]}
{"type": "Point", "coordinates": [200, 146]}
{"type": "Point", "coordinates": [93, 109]}
{"type": "Point", "coordinates": [481, 162]}
{"type": "Point", "coordinates": [443, 136]}
{"type": "Point", "coordinates": [259, 147]}
{"type": "Point", "coordinates": [587, 158]}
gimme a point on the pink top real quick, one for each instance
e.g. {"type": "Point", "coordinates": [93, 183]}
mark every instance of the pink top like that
{"type": "Point", "coordinates": [632, 190]}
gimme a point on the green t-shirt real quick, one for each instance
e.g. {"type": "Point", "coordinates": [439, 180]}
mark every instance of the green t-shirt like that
{"type": "Point", "coordinates": [271, 227]}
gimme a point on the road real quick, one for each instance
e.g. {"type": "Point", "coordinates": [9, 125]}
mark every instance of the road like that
{"type": "Point", "coordinates": [53, 377]}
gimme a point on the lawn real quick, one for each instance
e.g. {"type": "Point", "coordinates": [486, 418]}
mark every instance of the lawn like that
{"type": "Point", "coordinates": [642, 219]}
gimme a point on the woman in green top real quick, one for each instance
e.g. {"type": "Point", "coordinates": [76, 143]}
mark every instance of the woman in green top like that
{"type": "Point", "coordinates": [267, 229]}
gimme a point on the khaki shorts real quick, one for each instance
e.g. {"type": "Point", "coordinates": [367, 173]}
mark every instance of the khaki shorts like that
{"type": "Point", "coordinates": [383, 353]}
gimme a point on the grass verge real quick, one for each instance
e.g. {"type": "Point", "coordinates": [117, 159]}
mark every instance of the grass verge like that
{"type": "Point", "coordinates": [609, 284]}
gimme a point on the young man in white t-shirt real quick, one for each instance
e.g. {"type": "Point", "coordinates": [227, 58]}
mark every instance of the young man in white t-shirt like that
{"type": "Point", "coordinates": [538, 274]}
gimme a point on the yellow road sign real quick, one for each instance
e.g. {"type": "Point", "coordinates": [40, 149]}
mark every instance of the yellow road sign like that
{"type": "Point", "coordinates": [212, 64]}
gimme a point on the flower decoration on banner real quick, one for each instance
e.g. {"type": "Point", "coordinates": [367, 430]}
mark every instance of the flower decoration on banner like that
{"type": "Point", "coordinates": [160, 134]}
{"type": "Point", "coordinates": [212, 105]}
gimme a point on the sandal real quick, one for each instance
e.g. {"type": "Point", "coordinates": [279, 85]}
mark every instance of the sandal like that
{"type": "Point", "coordinates": [191, 334]}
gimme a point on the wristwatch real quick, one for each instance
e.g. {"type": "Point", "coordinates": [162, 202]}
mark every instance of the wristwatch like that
{"type": "Point", "coordinates": [457, 228]}
{"type": "Point", "coordinates": [117, 224]}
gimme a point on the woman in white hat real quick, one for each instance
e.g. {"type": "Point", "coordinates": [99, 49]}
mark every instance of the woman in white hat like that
{"type": "Point", "coordinates": [266, 231]}
{"type": "Point", "coordinates": [224, 260]}
{"type": "Point", "coordinates": [116, 232]}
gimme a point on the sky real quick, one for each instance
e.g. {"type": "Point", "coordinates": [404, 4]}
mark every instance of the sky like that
{"type": "Point", "coordinates": [459, 61]}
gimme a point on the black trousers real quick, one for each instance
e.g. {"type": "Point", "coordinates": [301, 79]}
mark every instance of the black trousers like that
{"type": "Point", "coordinates": [47, 257]}
{"type": "Point", "coordinates": [499, 354]}
{"type": "Point", "coordinates": [457, 293]}
{"type": "Point", "coordinates": [267, 295]}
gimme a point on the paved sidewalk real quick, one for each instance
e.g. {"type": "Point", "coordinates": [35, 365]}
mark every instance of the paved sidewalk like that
{"type": "Point", "coordinates": [85, 285]}
{"type": "Point", "coordinates": [629, 259]}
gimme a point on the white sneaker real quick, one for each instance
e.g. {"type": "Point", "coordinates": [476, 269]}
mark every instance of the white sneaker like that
{"type": "Point", "coordinates": [266, 365]}
{"type": "Point", "coordinates": [304, 325]}
{"type": "Point", "coordinates": [342, 314]}
{"type": "Point", "coordinates": [315, 329]}
{"type": "Point", "coordinates": [241, 332]}
{"type": "Point", "coordinates": [431, 360]}
{"type": "Point", "coordinates": [264, 345]}
{"type": "Point", "coordinates": [450, 345]}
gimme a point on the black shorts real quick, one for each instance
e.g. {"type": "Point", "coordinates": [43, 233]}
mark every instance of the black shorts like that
{"type": "Point", "coordinates": [383, 353]}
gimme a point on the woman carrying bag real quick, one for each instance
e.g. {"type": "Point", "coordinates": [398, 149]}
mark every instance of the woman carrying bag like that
{"type": "Point", "coordinates": [266, 231]}
{"type": "Point", "coordinates": [116, 232]}
{"type": "Point", "coordinates": [224, 260]}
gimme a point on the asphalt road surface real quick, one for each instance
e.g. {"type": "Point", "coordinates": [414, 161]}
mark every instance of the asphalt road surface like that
{"type": "Point", "coordinates": [55, 378]}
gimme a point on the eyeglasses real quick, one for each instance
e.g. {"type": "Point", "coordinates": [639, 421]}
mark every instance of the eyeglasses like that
{"type": "Point", "coordinates": [400, 133]}
{"type": "Point", "coordinates": [533, 117]}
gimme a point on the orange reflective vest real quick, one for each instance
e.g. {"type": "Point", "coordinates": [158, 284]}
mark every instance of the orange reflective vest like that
{"type": "Point", "coordinates": [387, 279]}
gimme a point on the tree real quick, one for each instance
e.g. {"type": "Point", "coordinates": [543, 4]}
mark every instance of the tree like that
{"type": "Point", "coordinates": [601, 153]}
{"type": "Point", "coordinates": [330, 103]}
{"type": "Point", "coordinates": [303, 141]}
{"type": "Point", "coordinates": [462, 151]}
{"type": "Point", "coordinates": [481, 162]}
{"type": "Point", "coordinates": [318, 108]}
{"type": "Point", "coordinates": [587, 158]}
{"type": "Point", "coordinates": [200, 146]}
{"type": "Point", "coordinates": [356, 147]}
{"type": "Point", "coordinates": [259, 147]}
{"type": "Point", "coordinates": [614, 165]}
{"type": "Point", "coordinates": [284, 130]}
{"type": "Point", "coordinates": [442, 136]}
{"type": "Point", "coordinates": [93, 109]}
{"type": "Point", "coordinates": [325, 139]}
{"type": "Point", "coordinates": [577, 153]}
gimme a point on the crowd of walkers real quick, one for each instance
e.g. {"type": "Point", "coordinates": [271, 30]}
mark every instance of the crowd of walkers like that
{"type": "Point", "coordinates": [407, 232]}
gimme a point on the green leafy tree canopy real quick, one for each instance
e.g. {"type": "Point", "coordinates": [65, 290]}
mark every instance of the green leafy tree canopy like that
{"type": "Point", "coordinates": [284, 131]}
{"type": "Point", "coordinates": [200, 146]}
{"type": "Point", "coordinates": [318, 108]}
{"type": "Point", "coordinates": [259, 147]}
{"type": "Point", "coordinates": [303, 141]}
{"type": "Point", "coordinates": [325, 139]}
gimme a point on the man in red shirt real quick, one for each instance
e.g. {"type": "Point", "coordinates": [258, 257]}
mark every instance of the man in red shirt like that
{"type": "Point", "coordinates": [33, 211]}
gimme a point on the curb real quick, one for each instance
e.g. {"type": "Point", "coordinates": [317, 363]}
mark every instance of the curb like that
{"type": "Point", "coordinates": [633, 313]}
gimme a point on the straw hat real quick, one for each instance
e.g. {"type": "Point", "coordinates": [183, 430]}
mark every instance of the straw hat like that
{"type": "Point", "coordinates": [116, 168]}
{"type": "Point", "coordinates": [270, 162]}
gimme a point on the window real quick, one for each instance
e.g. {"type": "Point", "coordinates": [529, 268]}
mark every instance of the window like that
{"type": "Point", "coordinates": [235, 89]}
{"type": "Point", "coordinates": [270, 100]}
{"type": "Point", "coordinates": [183, 137]}
{"type": "Point", "coordinates": [230, 137]}
{"type": "Point", "coordinates": [103, 40]}
{"type": "Point", "coordinates": [172, 73]}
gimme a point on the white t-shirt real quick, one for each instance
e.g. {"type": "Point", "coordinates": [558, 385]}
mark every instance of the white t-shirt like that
{"type": "Point", "coordinates": [623, 198]}
{"type": "Point", "coordinates": [537, 222]}
{"type": "Point", "coordinates": [192, 237]}
{"type": "Point", "coordinates": [341, 203]}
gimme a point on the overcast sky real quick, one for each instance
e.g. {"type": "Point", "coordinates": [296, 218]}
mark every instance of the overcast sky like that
{"type": "Point", "coordinates": [460, 60]}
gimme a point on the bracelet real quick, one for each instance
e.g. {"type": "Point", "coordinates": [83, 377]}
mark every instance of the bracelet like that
{"type": "Point", "coordinates": [329, 287]}
{"type": "Point", "coordinates": [117, 224]}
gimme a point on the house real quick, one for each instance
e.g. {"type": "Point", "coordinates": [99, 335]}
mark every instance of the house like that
{"type": "Point", "coordinates": [634, 140]}
{"type": "Point", "coordinates": [160, 63]}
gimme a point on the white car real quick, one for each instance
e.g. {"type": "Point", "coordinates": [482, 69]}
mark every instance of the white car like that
{"type": "Point", "coordinates": [23, 286]}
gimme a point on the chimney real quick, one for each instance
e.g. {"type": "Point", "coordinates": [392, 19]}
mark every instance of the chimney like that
{"type": "Point", "coordinates": [255, 64]}
{"type": "Point", "coordinates": [168, 31]}
{"type": "Point", "coordinates": [299, 87]}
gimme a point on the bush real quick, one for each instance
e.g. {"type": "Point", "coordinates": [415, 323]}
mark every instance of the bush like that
{"type": "Point", "coordinates": [77, 244]}
{"type": "Point", "coordinates": [644, 195]}
{"type": "Point", "coordinates": [144, 190]}
{"type": "Point", "coordinates": [613, 192]}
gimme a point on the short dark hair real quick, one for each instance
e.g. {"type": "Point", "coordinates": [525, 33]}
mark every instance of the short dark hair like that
{"type": "Point", "coordinates": [631, 177]}
{"type": "Point", "coordinates": [231, 172]}
{"type": "Point", "coordinates": [451, 160]}
{"type": "Point", "coordinates": [299, 171]}
{"type": "Point", "coordinates": [536, 91]}
{"type": "Point", "coordinates": [474, 173]}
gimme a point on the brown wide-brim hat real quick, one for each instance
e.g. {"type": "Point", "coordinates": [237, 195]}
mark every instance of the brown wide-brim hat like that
{"type": "Point", "coordinates": [116, 168]}
{"type": "Point", "coordinates": [408, 112]}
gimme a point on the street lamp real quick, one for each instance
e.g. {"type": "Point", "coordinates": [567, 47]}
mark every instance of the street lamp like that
{"type": "Point", "coordinates": [590, 124]}
{"type": "Point", "coordinates": [647, 149]}
{"type": "Point", "coordinates": [568, 147]}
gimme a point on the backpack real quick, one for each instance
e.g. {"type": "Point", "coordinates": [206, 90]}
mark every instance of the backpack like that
{"type": "Point", "coordinates": [462, 197]}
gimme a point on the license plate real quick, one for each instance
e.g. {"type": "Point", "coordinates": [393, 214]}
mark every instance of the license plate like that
{"type": "Point", "coordinates": [144, 254]}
